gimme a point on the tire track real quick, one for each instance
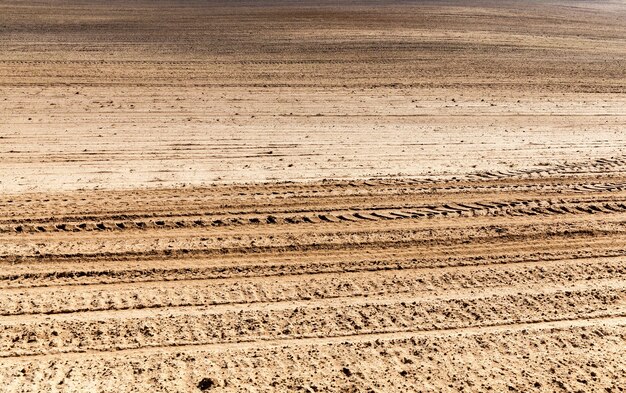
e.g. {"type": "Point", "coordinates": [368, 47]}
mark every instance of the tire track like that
{"type": "Point", "coordinates": [246, 268]}
{"type": "Point", "coordinates": [556, 326]}
{"type": "Point", "coordinates": [213, 219]}
{"type": "Point", "coordinates": [58, 334]}
{"type": "Point", "coordinates": [427, 281]}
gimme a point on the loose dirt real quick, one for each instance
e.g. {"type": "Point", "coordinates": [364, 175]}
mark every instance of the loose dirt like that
{"type": "Point", "coordinates": [316, 197]}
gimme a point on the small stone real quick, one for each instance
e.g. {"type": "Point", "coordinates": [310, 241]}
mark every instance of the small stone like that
{"type": "Point", "coordinates": [206, 384]}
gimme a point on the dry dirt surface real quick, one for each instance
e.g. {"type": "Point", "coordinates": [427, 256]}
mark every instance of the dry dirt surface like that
{"type": "Point", "coordinates": [510, 283]}
{"type": "Point", "coordinates": [126, 94]}
{"type": "Point", "coordinates": [294, 196]}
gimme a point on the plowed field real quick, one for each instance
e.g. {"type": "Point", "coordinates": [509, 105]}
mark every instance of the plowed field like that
{"type": "Point", "coordinates": [517, 281]}
{"type": "Point", "coordinates": [313, 197]}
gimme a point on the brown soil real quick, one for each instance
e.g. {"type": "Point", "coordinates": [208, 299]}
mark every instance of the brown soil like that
{"type": "Point", "coordinates": [166, 225]}
{"type": "Point", "coordinates": [149, 94]}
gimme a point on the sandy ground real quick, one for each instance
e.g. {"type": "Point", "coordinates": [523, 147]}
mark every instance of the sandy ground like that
{"type": "Point", "coordinates": [120, 96]}
{"type": "Point", "coordinates": [366, 197]}
{"type": "Point", "coordinates": [510, 283]}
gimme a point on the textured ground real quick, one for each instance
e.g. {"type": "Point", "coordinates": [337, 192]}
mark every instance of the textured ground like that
{"type": "Point", "coordinates": [513, 282]}
{"type": "Point", "coordinates": [156, 233]}
{"type": "Point", "coordinates": [134, 94]}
